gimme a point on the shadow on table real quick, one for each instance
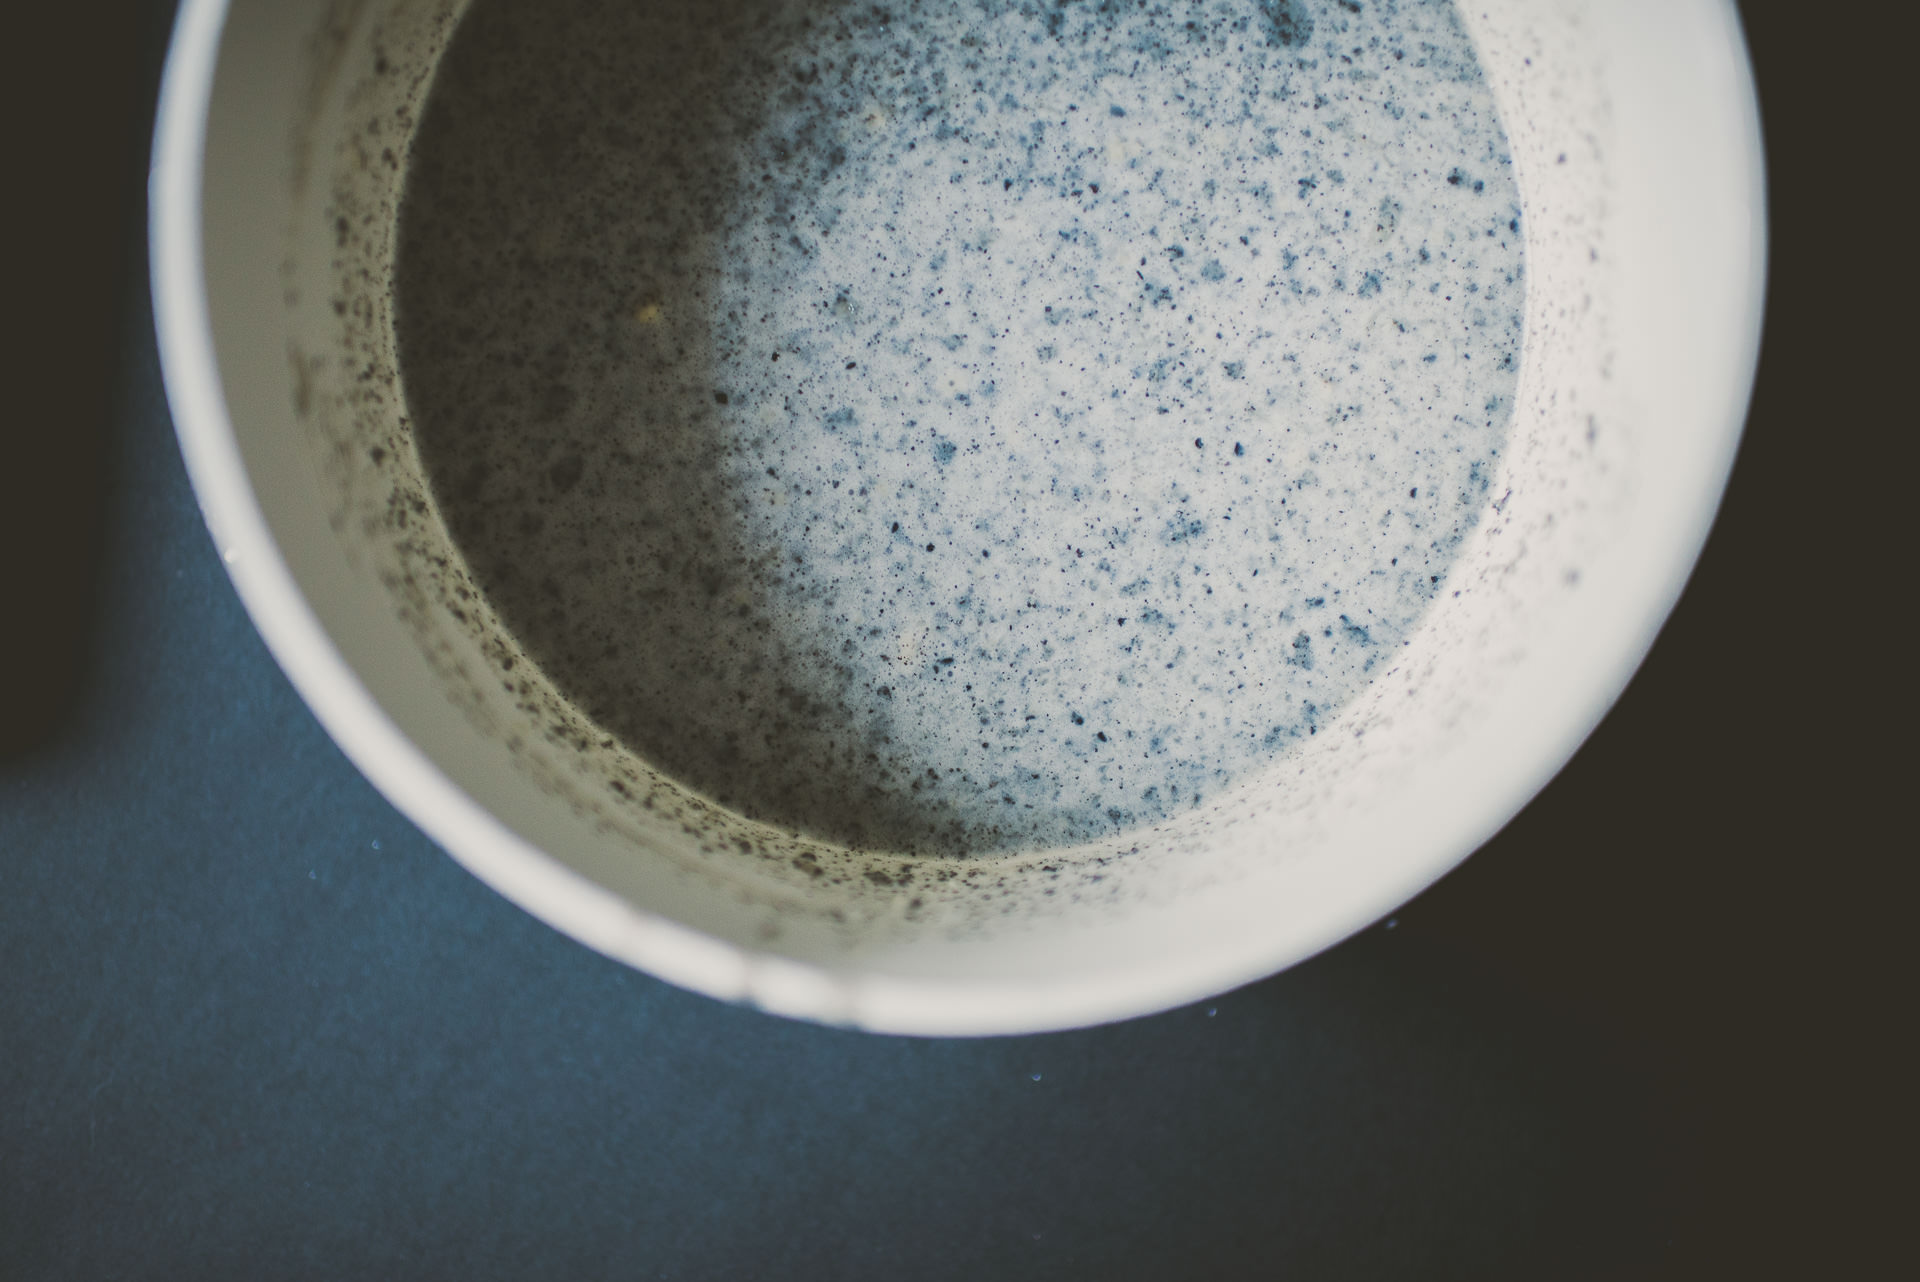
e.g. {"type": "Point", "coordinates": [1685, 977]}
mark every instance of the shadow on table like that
{"type": "Point", "coordinates": [83, 75]}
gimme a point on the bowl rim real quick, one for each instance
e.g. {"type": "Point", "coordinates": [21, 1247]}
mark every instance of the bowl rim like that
{"type": "Point", "coordinates": [577, 906]}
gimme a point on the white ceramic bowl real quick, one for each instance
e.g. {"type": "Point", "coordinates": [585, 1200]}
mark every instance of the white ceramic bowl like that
{"type": "Point", "coordinates": [1636, 141]}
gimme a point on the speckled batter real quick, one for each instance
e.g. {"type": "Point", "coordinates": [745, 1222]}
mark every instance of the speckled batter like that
{"type": "Point", "coordinates": [960, 428]}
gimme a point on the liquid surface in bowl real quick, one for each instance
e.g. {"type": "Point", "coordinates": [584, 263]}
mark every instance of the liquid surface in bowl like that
{"type": "Point", "coordinates": [952, 428]}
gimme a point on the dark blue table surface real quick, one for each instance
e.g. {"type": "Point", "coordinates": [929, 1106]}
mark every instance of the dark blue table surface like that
{"type": "Point", "coordinates": [253, 1024]}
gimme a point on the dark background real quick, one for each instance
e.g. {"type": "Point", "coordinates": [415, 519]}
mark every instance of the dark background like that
{"type": "Point", "coordinates": [253, 1025]}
